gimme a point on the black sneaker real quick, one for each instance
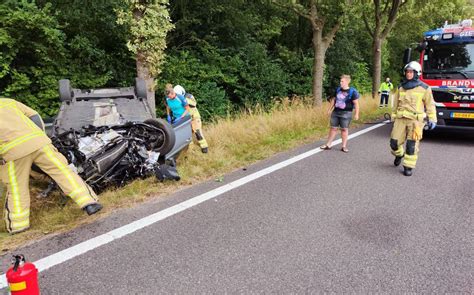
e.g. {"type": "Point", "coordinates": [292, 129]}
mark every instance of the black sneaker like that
{"type": "Point", "coordinates": [204, 150]}
{"type": "Point", "coordinates": [407, 171]}
{"type": "Point", "coordinates": [19, 231]}
{"type": "Point", "coordinates": [397, 161]}
{"type": "Point", "coordinates": [92, 208]}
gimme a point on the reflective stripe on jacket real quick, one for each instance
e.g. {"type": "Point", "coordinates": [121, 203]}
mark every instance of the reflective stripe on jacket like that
{"type": "Point", "coordinates": [412, 104]}
{"type": "Point", "coordinates": [19, 136]}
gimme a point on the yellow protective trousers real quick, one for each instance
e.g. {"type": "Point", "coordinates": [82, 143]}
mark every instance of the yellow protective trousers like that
{"type": "Point", "coordinates": [15, 174]}
{"type": "Point", "coordinates": [409, 131]}
{"type": "Point", "coordinates": [196, 125]}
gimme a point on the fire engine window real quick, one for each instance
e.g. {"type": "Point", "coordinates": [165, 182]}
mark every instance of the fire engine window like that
{"type": "Point", "coordinates": [449, 57]}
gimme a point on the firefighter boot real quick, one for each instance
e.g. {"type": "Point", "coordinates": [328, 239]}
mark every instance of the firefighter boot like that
{"type": "Point", "coordinates": [407, 171]}
{"type": "Point", "coordinates": [92, 208]}
{"type": "Point", "coordinates": [397, 160]}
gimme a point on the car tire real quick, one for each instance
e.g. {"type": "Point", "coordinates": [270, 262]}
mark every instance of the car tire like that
{"type": "Point", "coordinates": [65, 90]}
{"type": "Point", "coordinates": [168, 133]}
{"type": "Point", "coordinates": [140, 88]}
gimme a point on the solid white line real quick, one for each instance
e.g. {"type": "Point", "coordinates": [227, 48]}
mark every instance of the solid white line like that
{"type": "Point", "coordinates": [81, 248]}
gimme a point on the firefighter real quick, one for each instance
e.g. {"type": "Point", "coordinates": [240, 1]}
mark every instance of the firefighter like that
{"type": "Point", "coordinates": [413, 103]}
{"type": "Point", "coordinates": [23, 142]}
{"type": "Point", "coordinates": [384, 92]}
{"type": "Point", "coordinates": [196, 123]}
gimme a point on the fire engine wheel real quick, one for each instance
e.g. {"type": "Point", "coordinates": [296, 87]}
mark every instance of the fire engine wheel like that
{"type": "Point", "coordinates": [164, 139]}
{"type": "Point", "coordinates": [65, 90]}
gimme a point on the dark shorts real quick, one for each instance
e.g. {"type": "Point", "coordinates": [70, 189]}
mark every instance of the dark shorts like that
{"type": "Point", "coordinates": [341, 118]}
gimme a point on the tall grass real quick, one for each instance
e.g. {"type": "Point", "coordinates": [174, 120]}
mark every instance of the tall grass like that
{"type": "Point", "coordinates": [233, 143]}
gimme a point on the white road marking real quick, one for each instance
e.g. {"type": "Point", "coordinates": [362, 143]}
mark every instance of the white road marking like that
{"type": "Point", "coordinates": [86, 246]}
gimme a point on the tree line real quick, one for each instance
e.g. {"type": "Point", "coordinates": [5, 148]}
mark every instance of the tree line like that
{"type": "Point", "coordinates": [231, 54]}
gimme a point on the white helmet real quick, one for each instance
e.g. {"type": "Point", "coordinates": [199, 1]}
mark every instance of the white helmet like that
{"type": "Point", "coordinates": [178, 89]}
{"type": "Point", "coordinates": [413, 65]}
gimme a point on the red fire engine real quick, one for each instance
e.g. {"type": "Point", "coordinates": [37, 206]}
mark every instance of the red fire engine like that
{"type": "Point", "coordinates": [447, 60]}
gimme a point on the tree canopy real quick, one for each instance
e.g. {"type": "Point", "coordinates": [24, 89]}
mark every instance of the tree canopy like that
{"type": "Point", "coordinates": [231, 54]}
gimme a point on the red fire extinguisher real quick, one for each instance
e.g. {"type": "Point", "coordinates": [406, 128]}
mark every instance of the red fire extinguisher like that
{"type": "Point", "coordinates": [22, 277]}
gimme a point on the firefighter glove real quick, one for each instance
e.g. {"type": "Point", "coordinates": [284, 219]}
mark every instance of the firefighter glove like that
{"type": "Point", "coordinates": [392, 117]}
{"type": "Point", "coordinates": [417, 132]}
{"type": "Point", "coordinates": [168, 118]}
{"type": "Point", "coordinates": [431, 125]}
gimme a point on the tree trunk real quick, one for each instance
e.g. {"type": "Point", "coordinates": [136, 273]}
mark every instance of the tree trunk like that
{"type": "Point", "coordinates": [377, 64]}
{"type": "Point", "coordinates": [144, 73]}
{"type": "Point", "coordinates": [319, 48]}
{"type": "Point", "coordinates": [379, 34]}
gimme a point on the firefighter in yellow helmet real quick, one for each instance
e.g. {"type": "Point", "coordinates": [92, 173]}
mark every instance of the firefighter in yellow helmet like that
{"type": "Point", "coordinates": [23, 143]}
{"type": "Point", "coordinates": [412, 104]}
{"type": "Point", "coordinates": [196, 123]}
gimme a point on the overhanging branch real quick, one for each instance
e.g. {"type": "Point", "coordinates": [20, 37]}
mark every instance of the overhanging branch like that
{"type": "Point", "coordinates": [366, 23]}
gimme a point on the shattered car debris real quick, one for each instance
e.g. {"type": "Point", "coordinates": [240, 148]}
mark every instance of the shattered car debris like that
{"type": "Point", "coordinates": [110, 136]}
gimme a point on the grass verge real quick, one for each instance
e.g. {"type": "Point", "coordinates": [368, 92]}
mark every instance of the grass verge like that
{"type": "Point", "coordinates": [233, 143]}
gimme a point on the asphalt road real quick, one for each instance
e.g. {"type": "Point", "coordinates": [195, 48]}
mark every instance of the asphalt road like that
{"type": "Point", "coordinates": [333, 222]}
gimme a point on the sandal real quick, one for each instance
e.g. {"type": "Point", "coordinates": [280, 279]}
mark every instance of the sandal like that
{"type": "Point", "coordinates": [344, 149]}
{"type": "Point", "coordinates": [325, 147]}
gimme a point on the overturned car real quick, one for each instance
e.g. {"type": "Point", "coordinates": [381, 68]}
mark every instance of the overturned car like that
{"type": "Point", "coordinates": [111, 136]}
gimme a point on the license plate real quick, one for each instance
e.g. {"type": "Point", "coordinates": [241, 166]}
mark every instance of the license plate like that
{"type": "Point", "coordinates": [462, 115]}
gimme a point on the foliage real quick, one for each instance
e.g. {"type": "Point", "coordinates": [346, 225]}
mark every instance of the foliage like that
{"type": "Point", "coordinates": [44, 42]}
{"type": "Point", "coordinates": [187, 70]}
{"type": "Point", "coordinates": [224, 23]}
{"type": "Point", "coordinates": [248, 77]}
{"type": "Point", "coordinates": [325, 18]}
{"type": "Point", "coordinates": [96, 45]}
{"type": "Point", "coordinates": [421, 16]}
{"type": "Point", "coordinates": [347, 56]}
{"type": "Point", "coordinates": [32, 53]}
{"type": "Point", "coordinates": [231, 54]}
{"type": "Point", "coordinates": [148, 23]}
{"type": "Point", "coordinates": [298, 66]}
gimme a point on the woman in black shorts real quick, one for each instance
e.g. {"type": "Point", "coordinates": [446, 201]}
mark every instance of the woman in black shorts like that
{"type": "Point", "coordinates": [341, 107]}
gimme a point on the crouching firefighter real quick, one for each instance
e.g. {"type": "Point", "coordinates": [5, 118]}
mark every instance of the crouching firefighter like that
{"type": "Point", "coordinates": [23, 142]}
{"type": "Point", "coordinates": [412, 100]}
{"type": "Point", "coordinates": [196, 123]}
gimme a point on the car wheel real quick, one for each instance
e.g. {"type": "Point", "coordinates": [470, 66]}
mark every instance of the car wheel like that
{"type": "Point", "coordinates": [162, 142]}
{"type": "Point", "coordinates": [140, 88]}
{"type": "Point", "coordinates": [65, 90]}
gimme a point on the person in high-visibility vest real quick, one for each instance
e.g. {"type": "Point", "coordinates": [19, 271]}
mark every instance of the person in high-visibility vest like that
{"type": "Point", "coordinates": [23, 142]}
{"type": "Point", "coordinates": [411, 100]}
{"type": "Point", "coordinates": [384, 92]}
{"type": "Point", "coordinates": [196, 123]}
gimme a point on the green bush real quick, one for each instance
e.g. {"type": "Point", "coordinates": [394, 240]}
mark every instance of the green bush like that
{"type": "Point", "coordinates": [349, 55]}
{"type": "Point", "coordinates": [32, 54]}
{"type": "Point", "coordinates": [42, 44]}
{"type": "Point", "coordinates": [224, 80]}
{"type": "Point", "coordinates": [299, 67]}
{"type": "Point", "coordinates": [197, 77]}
